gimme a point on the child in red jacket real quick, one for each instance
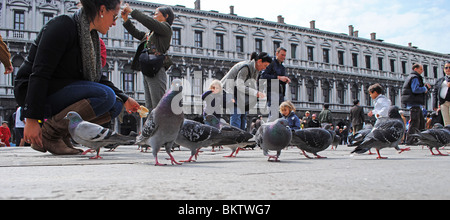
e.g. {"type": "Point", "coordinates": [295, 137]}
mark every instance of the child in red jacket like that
{"type": "Point", "coordinates": [5, 134]}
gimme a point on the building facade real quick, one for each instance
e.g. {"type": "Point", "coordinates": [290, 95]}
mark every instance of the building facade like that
{"type": "Point", "coordinates": [325, 68]}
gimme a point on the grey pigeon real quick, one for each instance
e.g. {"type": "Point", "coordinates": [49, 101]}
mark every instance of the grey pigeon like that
{"type": "Point", "coordinates": [274, 136]}
{"type": "Point", "coordinates": [386, 133]}
{"type": "Point", "coordinates": [312, 140]}
{"type": "Point", "coordinates": [358, 138]}
{"type": "Point", "coordinates": [243, 138]}
{"type": "Point", "coordinates": [434, 138]}
{"type": "Point", "coordinates": [164, 123]}
{"type": "Point", "coordinates": [94, 136]}
{"type": "Point", "coordinates": [194, 135]}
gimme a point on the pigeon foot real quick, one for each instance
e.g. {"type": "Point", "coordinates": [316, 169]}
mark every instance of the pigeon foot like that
{"type": "Point", "coordinates": [188, 161]}
{"type": "Point", "coordinates": [320, 157]}
{"type": "Point", "coordinates": [404, 149]}
{"type": "Point", "coordinates": [173, 160]}
{"type": "Point", "coordinates": [379, 156]}
{"type": "Point", "coordinates": [273, 157]}
{"type": "Point", "coordinates": [88, 151]}
{"type": "Point", "coordinates": [439, 153]}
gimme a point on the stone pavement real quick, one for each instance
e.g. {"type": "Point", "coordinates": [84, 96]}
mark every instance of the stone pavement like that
{"type": "Point", "coordinates": [129, 174]}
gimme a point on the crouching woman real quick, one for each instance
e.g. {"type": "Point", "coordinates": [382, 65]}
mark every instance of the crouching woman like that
{"type": "Point", "coordinates": [62, 73]}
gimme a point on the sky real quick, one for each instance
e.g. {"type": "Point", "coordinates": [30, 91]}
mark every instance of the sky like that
{"type": "Point", "coordinates": [425, 23]}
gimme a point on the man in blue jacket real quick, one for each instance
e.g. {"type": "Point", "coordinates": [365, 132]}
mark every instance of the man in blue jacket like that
{"type": "Point", "coordinates": [414, 98]}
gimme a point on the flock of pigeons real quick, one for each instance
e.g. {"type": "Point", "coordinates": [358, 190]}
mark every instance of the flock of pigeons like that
{"type": "Point", "coordinates": [164, 128]}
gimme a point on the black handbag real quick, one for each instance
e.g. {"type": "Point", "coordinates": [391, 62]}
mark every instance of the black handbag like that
{"type": "Point", "coordinates": [151, 60]}
{"type": "Point", "coordinates": [151, 63]}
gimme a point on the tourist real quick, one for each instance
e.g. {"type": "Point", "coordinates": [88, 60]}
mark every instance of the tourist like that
{"type": "Point", "coordinates": [413, 97]}
{"type": "Point", "coordinates": [62, 73]}
{"type": "Point", "coordinates": [441, 95]}
{"type": "Point", "coordinates": [155, 42]}
{"type": "Point", "coordinates": [241, 81]}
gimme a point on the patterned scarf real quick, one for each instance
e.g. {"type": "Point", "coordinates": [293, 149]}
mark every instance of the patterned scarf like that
{"type": "Point", "coordinates": [90, 48]}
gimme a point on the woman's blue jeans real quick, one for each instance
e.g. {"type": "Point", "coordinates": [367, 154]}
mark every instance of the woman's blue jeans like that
{"type": "Point", "coordinates": [101, 97]}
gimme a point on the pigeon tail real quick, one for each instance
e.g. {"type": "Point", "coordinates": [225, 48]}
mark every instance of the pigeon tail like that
{"type": "Point", "coordinates": [364, 147]}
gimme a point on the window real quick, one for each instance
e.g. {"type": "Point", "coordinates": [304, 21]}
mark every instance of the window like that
{"type": "Point", "coordinates": [276, 45]}
{"type": "Point", "coordinates": [341, 57]}
{"type": "Point", "coordinates": [393, 95]}
{"type": "Point", "coordinates": [404, 67]}
{"type": "Point", "coordinates": [259, 45]}
{"type": "Point", "coordinates": [198, 39]}
{"type": "Point", "coordinates": [355, 59]}
{"type": "Point", "coordinates": [435, 71]}
{"type": "Point", "coordinates": [240, 44]}
{"type": "Point", "coordinates": [294, 89]}
{"type": "Point", "coordinates": [176, 38]}
{"type": "Point", "coordinates": [368, 98]}
{"type": "Point", "coordinates": [294, 51]}
{"type": "Point", "coordinates": [341, 93]}
{"type": "Point", "coordinates": [393, 66]}
{"type": "Point", "coordinates": [425, 70]}
{"type": "Point", "coordinates": [326, 55]}
{"type": "Point", "coordinates": [326, 91]}
{"type": "Point", "coordinates": [19, 24]}
{"type": "Point", "coordinates": [19, 20]}
{"type": "Point", "coordinates": [219, 42]}
{"type": "Point", "coordinates": [368, 62]}
{"type": "Point", "coordinates": [311, 90]}
{"type": "Point", "coordinates": [128, 82]}
{"type": "Point", "coordinates": [380, 63]}
{"type": "Point", "coordinates": [47, 17]}
{"type": "Point", "coordinates": [127, 36]}
{"type": "Point", "coordinates": [310, 53]}
{"type": "Point", "coordinates": [355, 92]}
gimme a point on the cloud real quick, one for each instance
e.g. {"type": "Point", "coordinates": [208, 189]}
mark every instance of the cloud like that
{"type": "Point", "coordinates": [424, 23]}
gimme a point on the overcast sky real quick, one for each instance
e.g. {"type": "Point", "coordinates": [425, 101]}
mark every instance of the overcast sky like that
{"type": "Point", "coordinates": [425, 23]}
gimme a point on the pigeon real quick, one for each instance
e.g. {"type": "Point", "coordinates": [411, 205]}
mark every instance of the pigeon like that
{"type": "Point", "coordinates": [434, 138]}
{"type": "Point", "coordinates": [358, 138]}
{"type": "Point", "coordinates": [243, 140]}
{"type": "Point", "coordinates": [274, 136]}
{"type": "Point", "coordinates": [94, 136]}
{"type": "Point", "coordinates": [194, 135]}
{"type": "Point", "coordinates": [386, 133]}
{"type": "Point", "coordinates": [164, 123]}
{"type": "Point", "coordinates": [312, 140]}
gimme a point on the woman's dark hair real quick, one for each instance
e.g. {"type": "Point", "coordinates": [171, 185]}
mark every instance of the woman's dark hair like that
{"type": "Point", "coordinates": [92, 7]}
{"type": "Point", "coordinates": [167, 12]}
{"type": "Point", "coordinates": [261, 56]}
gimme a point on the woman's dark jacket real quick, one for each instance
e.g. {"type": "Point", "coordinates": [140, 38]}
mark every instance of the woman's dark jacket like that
{"type": "Point", "coordinates": [54, 61]}
{"type": "Point", "coordinates": [438, 100]}
{"type": "Point", "coordinates": [160, 39]}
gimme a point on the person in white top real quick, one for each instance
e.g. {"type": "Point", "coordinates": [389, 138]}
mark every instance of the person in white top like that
{"type": "Point", "coordinates": [382, 103]}
{"type": "Point", "coordinates": [441, 95]}
{"type": "Point", "coordinates": [19, 128]}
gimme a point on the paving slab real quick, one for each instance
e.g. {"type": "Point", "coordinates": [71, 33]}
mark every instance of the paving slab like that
{"type": "Point", "coordinates": [129, 174]}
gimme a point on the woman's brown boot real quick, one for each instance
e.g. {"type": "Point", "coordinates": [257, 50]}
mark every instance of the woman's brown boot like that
{"type": "Point", "coordinates": [56, 128]}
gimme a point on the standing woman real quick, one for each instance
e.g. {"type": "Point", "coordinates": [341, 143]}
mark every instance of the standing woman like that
{"type": "Point", "coordinates": [441, 95]}
{"type": "Point", "coordinates": [62, 73]}
{"type": "Point", "coordinates": [157, 42]}
{"type": "Point", "coordinates": [242, 80]}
